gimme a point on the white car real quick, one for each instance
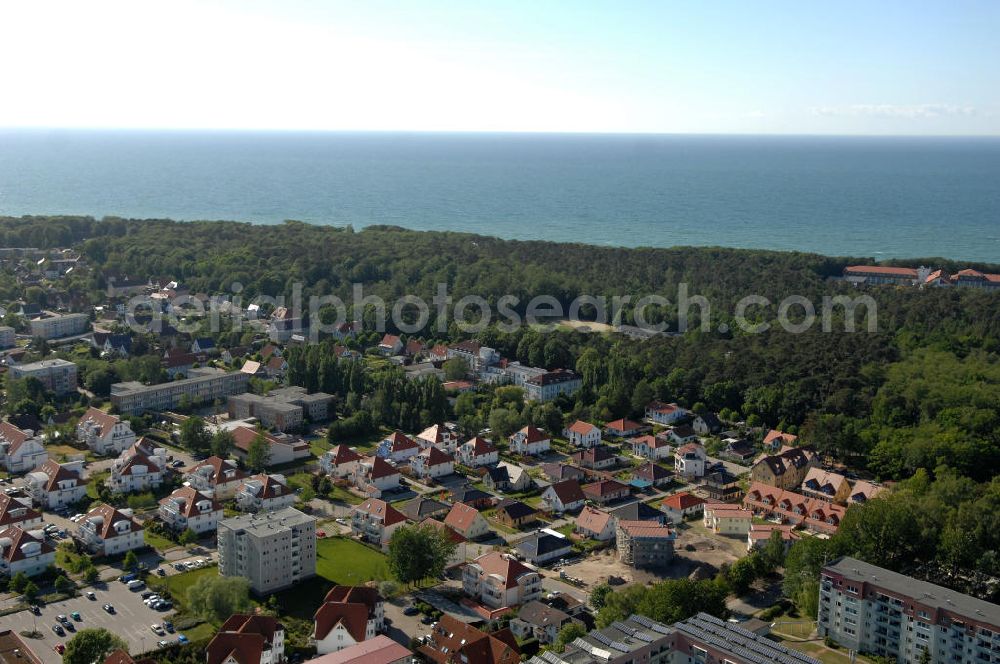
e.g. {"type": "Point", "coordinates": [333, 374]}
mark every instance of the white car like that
{"type": "Point", "coordinates": [76, 517]}
{"type": "Point", "coordinates": [157, 629]}
{"type": "Point", "coordinates": [149, 601]}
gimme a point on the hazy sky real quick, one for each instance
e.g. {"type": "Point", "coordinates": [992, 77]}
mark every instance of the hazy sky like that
{"type": "Point", "coordinates": [756, 66]}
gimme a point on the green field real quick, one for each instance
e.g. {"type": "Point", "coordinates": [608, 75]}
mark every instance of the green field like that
{"type": "Point", "coordinates": [347, 562]}
{"type": "Point", "coordinates": [178, 584]}
{"type": "Point", "coordinates": [159, 542]}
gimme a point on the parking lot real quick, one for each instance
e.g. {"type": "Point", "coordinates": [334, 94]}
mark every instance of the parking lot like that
{"type": "Point", "coordinates": [131, 620]}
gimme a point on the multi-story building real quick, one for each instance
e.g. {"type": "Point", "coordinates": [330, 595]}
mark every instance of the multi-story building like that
{"type": "Point", "coordinates": [24, 551]}
{"type": "Point", "coordinates": [282, 409]}
{"type": "Point", "coordinates": [551, 385]}
{"type": "Point", "coordinates": [452, 641]}
{"type": "Point", "coordinates": [397, 447]}
{"type": "Point", "coordinates": [785, 470]}
{"type": "Point", "coordinates": [375, 476]}
{"type": "Point", "coordinates": [56, 326]}
{"type": "Point", "coordinates": [104, 433]}
{"type": "Point", "coordinates": [187, 508]}
{"type": "Point", "coordinates": [378, 650]}
{"type": "Point", "coordinates": [340, 461]}
{"type": "Point", "coordinates": [215, 476]}
{"type": "Point", "coordinates": [793, 508]}
{"type": "Point", "coordinates": [826, 485]}
{"type": "Point", "coordinates": [203, 385]}
{"type": "Point", "coordinates": [529, 441]}
{"type": "Point", "coordinates": [498, 580]}
{"type": "Point", "coordinates": [658, 412]}
{"type": "Point", "coordinates": [431, 463]}
{"type": "Point", "coordinates": [349, 615]}
{"type": "Point", "coordinates": [273, 550]}
{"type": "Point", "coordinates": [874, 610]}
{"type": "Point", "coordinates": [645, 544]}
{"type": "Point", "coordinates": [442, 436]}
{"type": "Point", "coordinates": [7, 337]}
{"type": "Point", "coordinates": [56, 485]}
{"type": "Point", "coordinates": [264, 492]}
{"type": "Point", "coordinates": [282, 447]}
{"type": "Point", "coordinates": [375, 521]}
{"type": "Point", "coordinates": [727, 519]}
{"type": "Point", "coordinates": [17, 511]}
{"type": "Point", "coordinates": [689, 460]}
{"type": "Point", "coordinates": [141, 467]}
{"type": "Point", "coordinates": [20, 449]}
{"type": "Point", "coordinates": [107, 531]}
{"type": "Point", "coordinates": [56, 375]}
{"type": "Point", "coordinates": [478, 452]}
{"type": "Point", "coordinates": [247, 639]}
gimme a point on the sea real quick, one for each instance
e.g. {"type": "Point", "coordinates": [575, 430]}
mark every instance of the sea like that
{"type": "Point", "coordinates": [842, 196]}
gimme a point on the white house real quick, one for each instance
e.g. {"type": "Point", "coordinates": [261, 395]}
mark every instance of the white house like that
{"type": "Point", "coordinates": [282, 447]}
{"type": "Point", "coordinates": [20, 449]}
{"type": "Point", "coordinates": [689, 460]}
{"type": "Point", "coordinates": [498, 580]}
{"type": "Point", "coordinates": [108, 531]}
{"type": "Point", "coordinates": [247, 639]}
{"type": "Point", "coordinates": [374, 521]}
{"type": "Point", "coordinates": [104, 433]}
{"type": "Point", "coordinates": [467, 521]}
{"type": "Point", "coordinates": [397, 447]}
{"type": "Point", "coordinates": [348, 616]}
{"type": "Point", "coordinates": [529, 441]}
{"type": "Point", "coordinates": [595, 524]}
{"type": "Point", "coordinates": [651, 447]}
{"type": "Point", "coordinates": [56, 485]}
{"type": "Point", "coordinates": [264, 493]}
{"type": "Point", "coordinates": [432, 463]}
{"type": "Point", "coordinates": [24, 551]}
{"type": "Point", "coordinates": [665, 413]}
{"type": "Point", "coordinates": [189, 508]}
{"type": "Point", "coordinates": [375, 476]}
{"type": "Point", "coordinates": [583, 434]}
{"type": "Point", "coordinates": [139, 468]}
{"type": "Point", "coordinates": [18, 512]}
{"type": "Point", "coordinates": [340, 461]}
{"type": "Point", "coordinates": [219, 478]}
{"type": "Point", "coordinates": [564, 496]}
{"type": "Point", "coordinates": [478, 452]}
{"type": "Point", "coordinates": [444, 436]}
{"type": "Point", "coordinates": [507, 476]}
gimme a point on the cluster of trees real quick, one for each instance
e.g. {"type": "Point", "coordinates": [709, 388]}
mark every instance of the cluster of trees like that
{"type": "Point", "coordinates": [215, 598]}
{"type": "Point", "coordinates": [419, 552]}
{"type": "Point", "coordinates": [667, 601]}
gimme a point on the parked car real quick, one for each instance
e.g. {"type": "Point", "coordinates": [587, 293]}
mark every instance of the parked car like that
{"type": "Point", "coordinates": [169, 626]}
{"type": "Point", "coordinates": [162, 644]}
{"type": "Point", "coordinates": [157, 629]}
{"type": "Point", "coordinates": [36, 609]}
{"type": "Point", "coordinates": [76, 616]}
{"type": "Point", "coordinates": [59, 648]}
{"type": "Point", "coordinates": [410, 611]}
{"type": "Point", "coordinates": [59, 630]}
{"type": "Point", "coordinates": [91, 595]}
{"type": "Point", "coordinates": [181, 639]}
{"type": "Point", "coordinates": [110, 608]}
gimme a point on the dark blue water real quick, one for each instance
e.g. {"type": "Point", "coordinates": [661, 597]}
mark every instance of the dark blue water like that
{"type": "Point", "coordinates": [879, 197]}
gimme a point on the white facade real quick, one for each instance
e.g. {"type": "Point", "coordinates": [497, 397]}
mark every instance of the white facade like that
{"type": "Point", "coordinates": [20, 450]}
{"type": "Point", "coordinates": [56, 485]}
{"type": "Point", "coordinates": [104, 433]}
{"type": "Point", "coordinates": [23, 551]}
{"type": "Point", "coordinates": [109, 531]}
{"type": "Point", "coordinates": [187, 508]}
{"type": "Point", "coordinates": [529, 441]}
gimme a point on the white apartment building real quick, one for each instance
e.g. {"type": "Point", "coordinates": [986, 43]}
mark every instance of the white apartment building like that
{"type": "Point", "coordinates": [141, 467]}
{"type": "Point", "coordinates": [55, 326]}
{"type": "Point", "coordinates": [203, 385]}
{"type": "Point", "coordinates": [24, 551]}
{"type": "Point", "coordinates": [273, 550]}
{"type": "Point", "coordinates": [57, 375]}
{"type": "Point", "coordinates": [56, 485]}
{"type": "Point", "coordinates": [498, 580]}
{"type": "Point", "coordinates": [217, 477]}
{"type": "Point", "coordinates": [20, 449]}
{"type": "Point", "coordinates": [104, 433]}
{"type": "Point", "coordinates": [108, 531]}
{"type": "Point", "coordinates": [264, 493]}
{"type": "Point", "coordinates": [187, 508]}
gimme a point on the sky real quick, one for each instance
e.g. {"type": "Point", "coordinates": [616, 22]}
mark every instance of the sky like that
{"type": "Point", "coordinates": [910, 67]}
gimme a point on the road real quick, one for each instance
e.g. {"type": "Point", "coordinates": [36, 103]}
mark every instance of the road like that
{"type": "Point", "coordinates": [131, 620]}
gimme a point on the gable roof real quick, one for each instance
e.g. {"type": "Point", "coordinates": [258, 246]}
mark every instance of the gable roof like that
{"type": "Point", "coordinates": [826, 481]}
{"type": "Point", "coordinates": [379, 650]}
{"type": "Point", "coordinates": [381, 468]}
{"type": "Point", "coordinates": [56, 472]}
{"type": "Point", "coordinates": [515, 509]}
{"type": "Point", "coordinates": [189, 497]}
{"type": "Point", "coordinates": [9, 506]}
{"type": "Point", "coordinates": [779, 436]}
{"type": "Point", "coordinates": [456, 641]}
{"type": "Point", "coordinates": [223, 471]}
{"type": "Point", "coordinates": [623, 425]}
{"type": "Point", "coordinates": [421, 507]}
{"type": "Point", "coordinates": [435, 457]}
{"type": "Point", "coordinates": [582, 428]}
{"type": "Point", "coordinates": [343, 454]}
{"type": "Point", "coordinates": [651, 471]}
{"type": "Point", "coordinates": [13, 435]}
{"type": "Point", "coordinates": [102, 421]}
{"type": "Point", "coordinates": [568, 491]}
{"type": "Point", "coordinates": [243, 638]}
{"type": "Point", "coordinates": [682, 501]}
{"type": "Point", "coordinates": [399, 441]}
{"type": "Point", "coordinates": [381, 509]}
{"type": "Point", "coordinates": [479, 446]}
{"type": "Point", "coordinates": [593, 519]}
{"type": "Point", "coordinates": [461, 517]}
{"type": "Point", "coordinates": [503, 565]}
{"type": "Point", "coordinates": [531, 434]}
{"type": "Point", "coordinates": [468, 494]}
{"type": "Point", "coordinates": [265, 486]}
{"type": "Point", "coordinates": [352, 616]}
{"type": "Point", "coordinates": [605, 487]}
{"type": "Point", "coordinates": [18, 538]}
{"type": "Point", "coordinates": [110, 516]}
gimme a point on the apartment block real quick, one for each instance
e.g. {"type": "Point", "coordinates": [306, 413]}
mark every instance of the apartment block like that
{"type": "Point", "coordinates": [56, 326]}
{"type": "Point", "coordinates": [58, 376]}
{"type": "Point", "coordinates": [273, 550]}
{"type": "Point", "coordinates": [203, 385]}
{"type": "Point", "coordinates": [282, 409]}
{"type": "Point", "coordinates": [7, 337]}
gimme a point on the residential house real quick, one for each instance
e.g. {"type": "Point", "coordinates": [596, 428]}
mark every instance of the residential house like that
{"type": "Point", "coordinates": [557, 472]}
{"type": "Point", "coordinates": [863, 491]}
{"type": "Point", "coordinates": [374, 521]}
{"type": "Point", "coordinates": [515, 514]}
{"type": "Point", "coordinates": [219, 478]}
{"type": "Point", "coordinates": [606, 491]}
{"type": "Point", "coordinates": [54, 485]}
{"type": "Point", "coordinates": [653, 473]}
{"type": "Point", "coordinates": [550, 385]}
{"type": "Point", "coordinates": [467, 522]}
{"type": "Point", "coordinates": [793, 508]}
{"type": "Point", "coordinates": [378, 650]}
{"type": "Point", "coordinates": [177, 362]}
{"type": "Point", "coordinates": [738, 449]}
{"type": "Point", "coordinates": [582, 434]}
{"type": "Point", "coordinates": [264, 493]}
{"type": "Point", "coordinates": [203, 346]}
{"type": "Point", "coordinates": [15, 511]}
{"type": "Point", "coordinates": [681, 434]}
{"type": "Point", "coordinates": [452, 641]}
{"type": "Point", "coordinates": [760, 533]}
{"type": "Point", "coordinates": [275, 368]}
{"type": "Point", "coordinates": [497, 580]}
{"type": "Point", "coordinates": [507, 476]}
{"type": "Point", "coordinates": [421, 508]}
{"type": "Point", "coordinates": [651, 447]}
{"type": "Point", "coordinates": [565, 496]}
{"type": "Point", "coordinates": [637, 511]}
{"type": "Point", "coordinates": [644, 544]}
{"type": "Point", "coordinates": [689, 460]}
{"type": "Point", "coordinates": [542, 546]}
{"type": "Point", "coordinates": [282, 448]}
{"type": "Point", "coordinates": [141, 467]}
{"type": "Point", "coordinates": [105, 434]}
{"type": "Point", "coordinates": [470, 495]}
{"type": "Point", "coordinates": [727, 519]}
{"type": "Point", "coordinates": [187, 508]}
{"type": "Point", "coordinates": [431, 463]}
{"type": "Point", "coordinates": [624, 428]}
{"type": "Point", "coordinates": [722, 486]}
{"type": "Point", "coordinates": [529, 441]}
{"type": "Point", "coordinates": [826, 485]}
{"type": "Point", "coordinates": [775, 440]}
{"type": "Point", "coordinates": [20, 449]}
{"type": "Point", "coordinates": [23, 551]}
{"type": "Point", "coordinates": [601, 457]}
{"type": "Point", "coordinates": [390, 345]}
{"type": "Point", "coordinates": [539, 621]}
{"type": "Point", "coordinates": [339, 462]}
{"type": "Point", "coordinates": [348, 615]}
{"type": "Point", "coordinates": [658, 412]}
{"type": "Point", "coordinates": [786, 470]}
{"type": "Point", "coordinates": [706, 424]}
{"type": "Point", "coordinates": [682, 505]}
{"type": "Point", "coordinates": [595, 524]}
{"type": "Point", "coordinates": [397, 447]}
{"type": "Point", "coordinates": [443, 436]}
{"type": "Point", "coordinates": [375, 476]}
{"type": "Point", "coordinates": [108, 531]}
{"type": "Point", "coordinates": [247, 639]}
{"type": "Point", "coordinates": [478, 452]}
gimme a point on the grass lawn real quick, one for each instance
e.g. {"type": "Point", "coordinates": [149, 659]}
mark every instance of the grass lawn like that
{"type": "Point", "coordinates": [59, 451]}
{"type": "Point", "coordinates": [566, 529]}
{"type": "Point", "coordinates": [178, 584]}
{"type": "Point", "coordinates": [349, 563]}
{"type": "Point", "coordinates": [159, 542]}
{"type": "Point", "coordinates": [199, 632]}
{"type": "Point", "coordinates": [92, 483]}
{"type": "Point", "coordinates": [344, 496]}
{"type": "Point", "coordinates": [824, 654]}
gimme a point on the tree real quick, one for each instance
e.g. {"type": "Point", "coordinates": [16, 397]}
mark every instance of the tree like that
{"type": "Point", "coordinates": [743, 573]}
{"type": "Point", "coordinates": [19, 582]}
{"type": "Point", "coordinates": [455, 369]}
{"type": "Point", "coordinates": [131, 561]}
{"type": "Point", "coordinates": [63, 585]}
{"type": "Point", "coordinates": [90, 573]}
{"type": "Point", "coordinates": [259, 453]}
{"type": "Point", "coordinates": [567, 634]}
{"type": "Point", "coordinates": [30, 591]}
{"type": "Point", "coordinates": [419, 552]}
{"type": "Point", "coordinates": [195, 436]}
{"type": "Point", "coordinates": [222, 443]}
{"type": "Point", "coordinates": [599, 595]}
{"type": "Point", "coordinates": [92, 645]}
{"type": "Point", "coordinates": [215, 598]}
{"type": "Point", "coordinates": [773, 553]}
{"type": "Point", "coordinates": [187, 537]}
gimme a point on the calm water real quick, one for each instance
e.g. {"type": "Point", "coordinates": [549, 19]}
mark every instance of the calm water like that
{"type": "Point", "coordinates": [841, 196]}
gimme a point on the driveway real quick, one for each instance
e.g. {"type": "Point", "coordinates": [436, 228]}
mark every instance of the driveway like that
{"type": "Point", "coordinates": [131, 620]}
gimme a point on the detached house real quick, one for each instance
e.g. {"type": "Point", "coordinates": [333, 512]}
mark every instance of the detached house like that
{"type": "Point", "coordinates": [264, 493]}
{"type": "Point", "coordinates": [421, 508]}
{"type": "Point", "coordinates": [432, 463]}
{"type": "Point", "coordinates": [515, 514]}
{"type": "Point", "coordinates": [397, 447]}
{"type": "Point", "coordinates": [601, 457]}
{"type": "Point", "coordinates": [141, 467]}
{"type": "Point", "coordinates": [108, 531]}
{"type": "Point", "coordinates": [540, 621]}
{"type": "Point", "coordinates": [727, 519]}
{"type": "Point", "coordinates": [651, 447]}
{"type": "Point", "coordinates": [582, 434]}
{"type": "Point", "coordinates": [653, 473]}
{"type": "Point", "coordinates": [56, 485]}
{"type": "Point", "coordinates": [339, 462]}
{"type": "Point", "coordinates": [595, 524]}
{"type": "Point", "coordinates": [541, 547]}
{"type": "Point", "coordinates": [349, 615]}
{"type": "Point", "coordinates": [624, 428]}
{"type": "Point", "coordinates": [497, 580]}
{"type": "Point", "coordinates": [478, 452]}
{"type": "Point", "coordinates": [189, 508]}
{"type": "Point", "coordinates": [390, 345]}
{"type": "Point", "coordinates": [374, 521]}
{"type": "Point", "coordinates": [467, 521]}
{"type": "Point", "coordinates": [507, 476]}
{"type": "Point", "coordinates": [689, 460]}
{"type": "Point", "coordinates": [565, 496]}
{"type": "Point", "coordinates": [20, 450]}
{"type": "Point", "coordinates": [529, 441]}
{"type": "Point", "coordinates": [658, 412]}
{"type": "Point", "coordinates": [24, 552]}
{"type": "Point", "coordinates": [706, 424]}
{"type": "Point", "coordinates": [219, 478]}
{"type": "Point", "coordinates": [681, 505]}
{"type": "Point", "coordinates": [104, 433]}
{"type": "Point", "coordinates": [863, 491]}
{"type": "Point", "coordinates": [18, 512]}
{"type": "Point", "coordinates": [375, 476]}
{"type": "Point", "coordinates": [247, 639]}
{"type": "Point", "coordinates": [606, 491]}
{"type": "Point", "coordinates": [443, 436]}
{"type": "Point", "coordinates": [776, 440]}
{"type": "Point", "coordinates": [681, 434]}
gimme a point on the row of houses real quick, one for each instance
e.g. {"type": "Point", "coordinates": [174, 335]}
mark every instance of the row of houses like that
{"type": "Point", "coordinates": [922, 277]}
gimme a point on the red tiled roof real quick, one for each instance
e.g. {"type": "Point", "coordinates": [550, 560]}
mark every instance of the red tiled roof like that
{"type": "Point", "coordinates": [13, 435]}
{"type": "Point", "coordinates": [9, 505]}
{"type": "Point", "coordinates": [623, 425]}
{"type": "Point", "coordinates": [399, 442]}
{"type": "Point", "coordinates": [111, 516]}
{"type": "Point", "coordinates": [19, 537]}
{"type": "Point", "coordinates": [383, 510]}
{"type": "Point", "coordinates": [532, 434]}
{"type": "Point", "coordinates": [461, 517]}
{"type": "Point", "coordinates": [682, 501]}
{"type": "Point", "coordinates": [569, 491]}
{"type": "Point", "coordinates": [503, 565]}
{"type": "Point", "coordinates": [191, 498]}
{"type": "Point", "coordinates": [592, 519]}
{"type": "Point", "coordinates": [481, 446]}
{"type": "Point", "coordinates": [604, 488]}
{"type": "Point", "coordinates": [381, 468]}
{"type": "Point", "coordinates": [219, 466]}
{"type": "Point", "coordinates": [882, 270]}
{"type": "Point", "coordinates": [103, 421]}
{"type": "Point", "coordinates": [57, 472]}
{"type": "Point", "coordinates": [343, 454]}
{"type": "Point", "coordinates": [581, 427]}
{"type": "Point", "coordinates": [436, 457]}
{"type": "Point", "coordinates": [352, 616]}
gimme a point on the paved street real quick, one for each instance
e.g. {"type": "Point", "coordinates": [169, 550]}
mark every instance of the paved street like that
{"type": "Point", "coordinates": [131, 620]}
